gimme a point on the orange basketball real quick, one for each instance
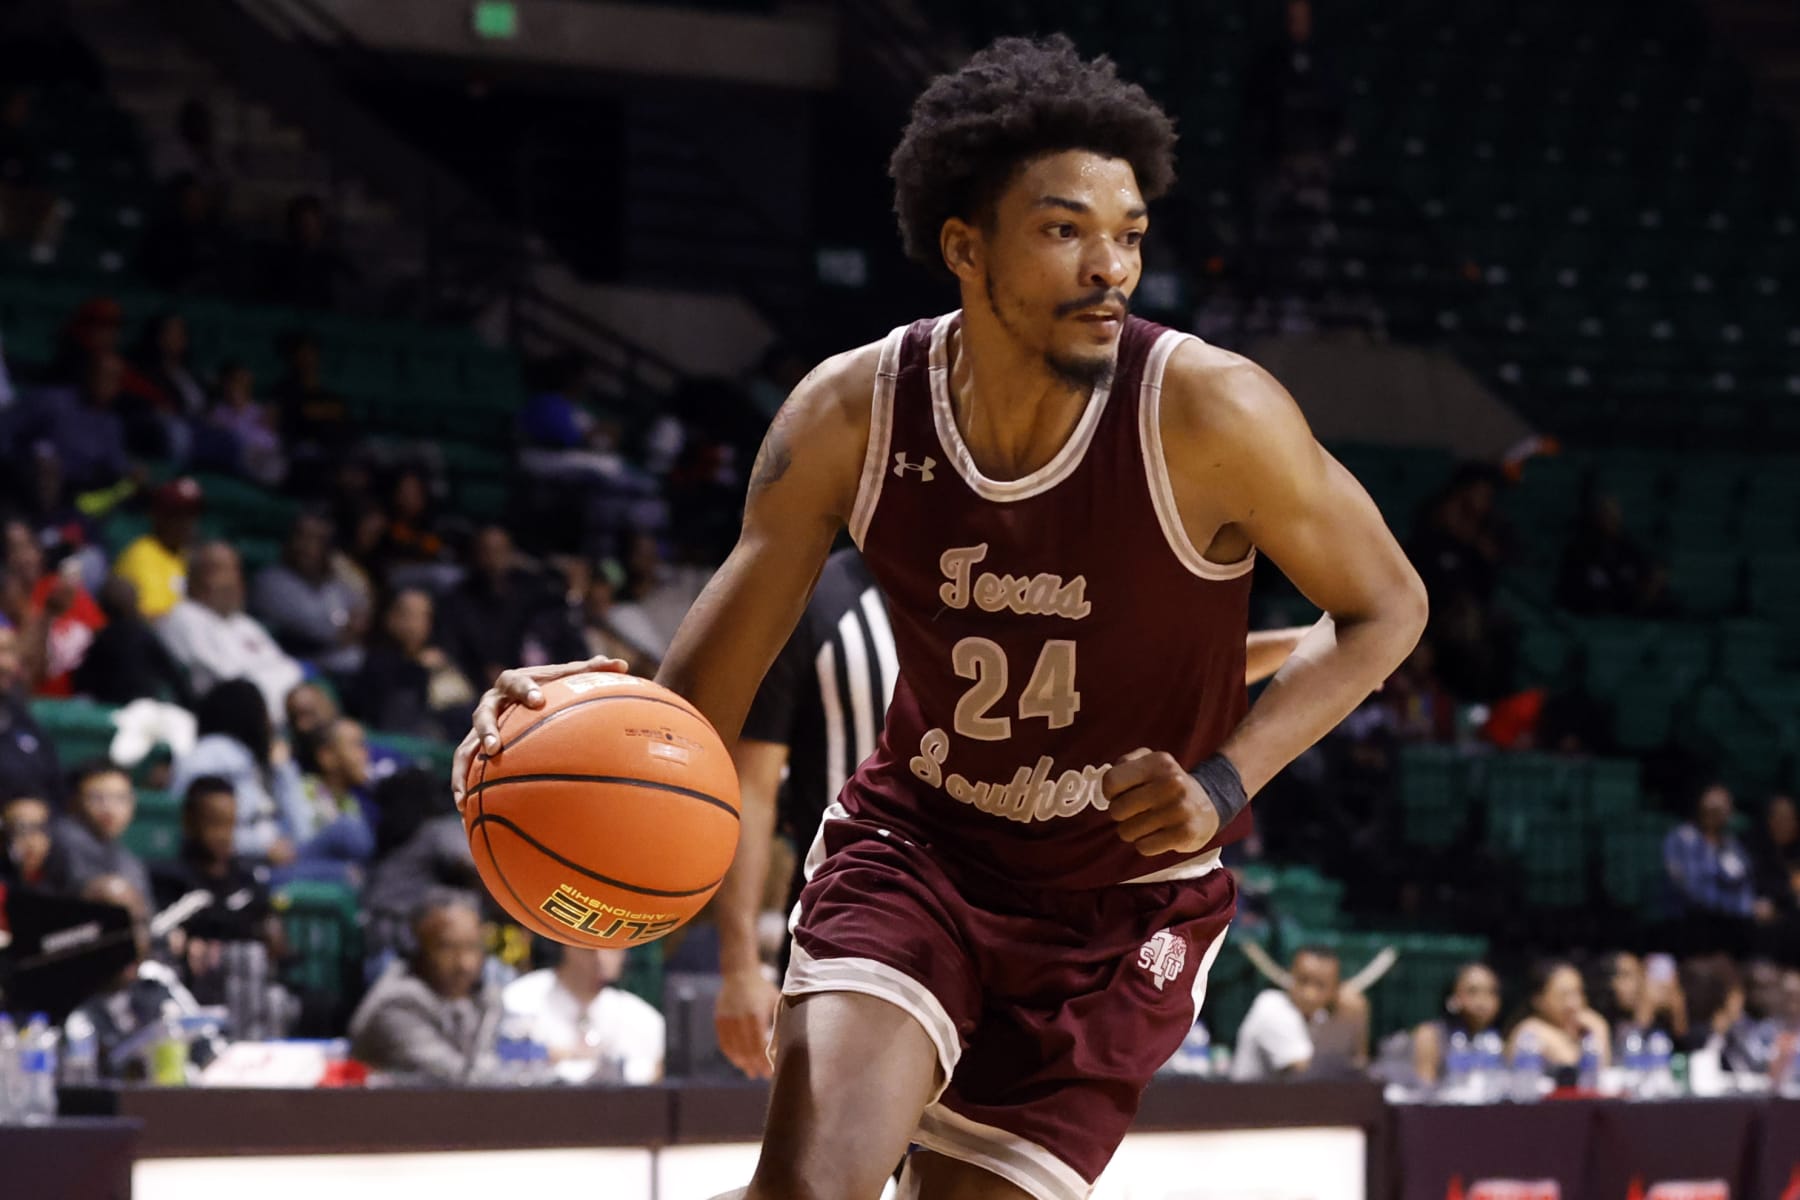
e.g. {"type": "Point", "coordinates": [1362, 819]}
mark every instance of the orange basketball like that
{"type": "Point", "coordinates": [609, 816]}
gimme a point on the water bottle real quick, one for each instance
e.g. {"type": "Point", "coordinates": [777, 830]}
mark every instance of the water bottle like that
{"type": "Point", "coordinates": [1632, 1058]}
{"type": "Point", "coordinates": [1490, 1066]}
{"type": "Point", "coordinates": [81, 1052]}
{"type": "Point", "coordinates": [1458, 1064]}
{"type": "Point", "coordinates": [1527, 1070]}
{"type": "Point", "coordinates": [1587, 1073]}
{"type": "Point", "coordinates": [37, 1053]}
{"type": "Point", "coordinates": [513, 1047]}
{"type": "Point", "coordinates": [1659, 1077]}
{"type": "Point", "coordinates": [1194, 1055]}
{"type": "Point", "coordinates": [9, 1072]}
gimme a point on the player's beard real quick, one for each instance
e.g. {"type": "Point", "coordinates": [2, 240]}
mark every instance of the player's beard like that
{"type": "Point", "coordinates": [1079, 373]}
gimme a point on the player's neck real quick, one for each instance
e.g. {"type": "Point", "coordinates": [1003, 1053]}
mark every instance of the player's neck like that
{"type": "Point", "coordinates": [1013, 412]}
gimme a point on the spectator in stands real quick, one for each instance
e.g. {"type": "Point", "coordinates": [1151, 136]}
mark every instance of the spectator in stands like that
{"type": "Point", "coordinates": [238, 744]}
{"type": "Point", "coordinates": [1458, 548]}
{"type": "Point", "coordinates": [337, 788]}
{"type": "Point", "coordinates": [592, 1029]}
{"type": "Point", "coordinates": [1471, 1008]}
{"type": "Point", "coordinates": [1276, 1038]}
{"type": "Point", "coordinates": [30, 212]}
{"type": "Point", "coordinates": [128, 661]}
{"type": "Point", "coordinates": [1558, 1024]}
{"type": "Point", "coordinates": [419, 846]}
{"type": "Point", "coordinates": [164, 392]}
{"type": "Point", "coordinates": [315, 422]}
{"type": "Point", "coordinates": [310, 708]}
{"type": "Point", "coordinates": [87, 845]}
{"type": "Point", "coordinates": [1775, 854]}
{"type": "Point", "coordinates": [1604, 571]}
{"type": "Point", "coordinates": [25, 825]}
{"type": "Point", "coordinates": [1723, 1037]}
{"type": "Point", "coordinates": [82, 428]}
{"type": "Point", "coordinates": [60, 612]}
{"type": "Point", "coordinates": [28, 761]}
{"type": "Point", "coordinates": [156, 563]}
{"type": "Point", "coordinates": [1639, 996]}
{"type": "Point", "coordinates": [305, 271]}
{"type": "Point", "coordinates": [250, 426]}
{"type": "Point", "coordinates": [409, 535]}
{"type": "Point", "coordinates": [598, 633]}
{"type": "Point", "coordinates": [433, 1017]}
{"type": "Point", "coordinates": [240, 910]}
{"type": "Point", "coordinates": [1714, 893]}
{"type": "Point", "coordinates": [310, 609]}
{"type": "Point", "coordinates": [142, 994]}
{"type": "Point", "coordinates": [408, 684]}
{"type": "Point", "coordinates": [482, 623]}
{"type": "Point", "coordinates": [212, 636]}
{"type": "Point", "coordinates": [185, 248]}
{"type": "Point", "coordinates": [195, 151]}
{"type": "Point", "coordinates": [655, 597]}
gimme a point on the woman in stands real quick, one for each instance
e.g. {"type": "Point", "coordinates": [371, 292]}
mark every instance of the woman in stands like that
{"type": "Point", "coordinates": [1559, 1025]}
{"type": "Point", "coordinates": [1472, 1008]}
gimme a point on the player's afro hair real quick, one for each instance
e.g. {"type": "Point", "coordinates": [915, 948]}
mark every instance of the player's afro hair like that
{"type": "Point", "coordinates": [974, 127]}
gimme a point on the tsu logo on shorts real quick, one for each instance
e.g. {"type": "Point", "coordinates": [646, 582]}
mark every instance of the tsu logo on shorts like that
{"type": "Point", "coordinates": [1164, 956]}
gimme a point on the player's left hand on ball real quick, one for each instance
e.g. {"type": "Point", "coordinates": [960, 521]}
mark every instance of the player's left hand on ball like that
{"type": "Point", "coordinates": [521, 685]}
{"type": "Point", "coordinates": [1157, 806]}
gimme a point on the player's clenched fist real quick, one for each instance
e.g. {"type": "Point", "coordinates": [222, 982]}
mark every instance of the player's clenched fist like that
{"type": "Point", "coordinates": [1157, 805]}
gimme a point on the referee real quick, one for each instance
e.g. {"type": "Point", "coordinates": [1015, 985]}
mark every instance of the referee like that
{"type": "Point", "coordinates": [817, 716]}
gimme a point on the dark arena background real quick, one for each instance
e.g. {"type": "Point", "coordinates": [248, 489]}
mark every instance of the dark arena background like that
{"type": "Point", "coordinates": [358, 350]}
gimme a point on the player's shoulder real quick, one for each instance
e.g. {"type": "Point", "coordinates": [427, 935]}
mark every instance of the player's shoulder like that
{"type": "Point", "coordinates": [842, 386]}
{"type": "Point", "coordinates": [1208, 390]}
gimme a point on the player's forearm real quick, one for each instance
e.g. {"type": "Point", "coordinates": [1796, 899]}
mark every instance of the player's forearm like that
{"type": "Point", "coordinates": [1333, 670]}
{"type": "Point", "coordinates": [740, 896]}
{"type": "Point", "coordinates": [1265, 650]}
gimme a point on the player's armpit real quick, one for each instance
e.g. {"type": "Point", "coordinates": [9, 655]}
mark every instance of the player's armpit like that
{"type": "Point", "coordinates": [1237, 441]}
{"type": "Point", "coordinates": [801, 491]}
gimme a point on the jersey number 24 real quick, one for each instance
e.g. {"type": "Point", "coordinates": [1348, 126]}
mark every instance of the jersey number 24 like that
{"type": "Point", "coordinates": [1049, 693]}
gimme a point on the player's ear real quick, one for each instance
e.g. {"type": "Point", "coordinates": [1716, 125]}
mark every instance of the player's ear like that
{"type": "Point", "coordinates": [960, 244]}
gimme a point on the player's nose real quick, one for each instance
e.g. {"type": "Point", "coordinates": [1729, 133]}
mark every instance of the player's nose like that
{"type": "Point", "coordinates": [1105, 267]}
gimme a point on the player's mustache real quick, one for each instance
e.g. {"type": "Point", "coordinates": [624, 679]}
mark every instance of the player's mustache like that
{"type": "Point", "coordinates": [1112, 296]}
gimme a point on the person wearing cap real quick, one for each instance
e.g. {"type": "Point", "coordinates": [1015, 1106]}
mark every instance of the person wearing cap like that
{"type": "Point", "coordinates": [156, 563]}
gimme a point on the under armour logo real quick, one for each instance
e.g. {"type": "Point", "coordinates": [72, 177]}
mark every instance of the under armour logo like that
{"type": "Point", "coordinates": [1164, 956]}
{"type": "Point", "coordinates": [901, 467]}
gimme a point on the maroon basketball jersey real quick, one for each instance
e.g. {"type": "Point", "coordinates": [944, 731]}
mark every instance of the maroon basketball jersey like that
{"type": "Point", "coordinates": [1045, 626]}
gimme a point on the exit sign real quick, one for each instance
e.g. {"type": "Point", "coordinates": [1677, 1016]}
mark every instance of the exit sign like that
{"type": "Point", "coordinates": [496, 19]}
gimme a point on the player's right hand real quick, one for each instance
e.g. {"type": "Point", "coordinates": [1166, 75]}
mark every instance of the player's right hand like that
{"type": "Point", "coordinates": [743, 1019]}
{"type": "Point", "coordinates": [517, 686]}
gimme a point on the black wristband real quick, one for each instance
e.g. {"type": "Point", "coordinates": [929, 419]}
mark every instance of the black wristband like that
{"type": "Point", "coordinates": [1219, 776]}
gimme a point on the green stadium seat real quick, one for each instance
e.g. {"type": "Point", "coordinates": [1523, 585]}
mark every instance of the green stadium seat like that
{"type": "Point", "coordinates": [323, 922]}
{"type": "Point", "coordinates": [81, 729]}
{"type": "Point", "coordinates": [154, 834]}
{"type": "Point", "coordinates": [1433, 804]}
{"type": "Point", "coordinates": [1631, 861]}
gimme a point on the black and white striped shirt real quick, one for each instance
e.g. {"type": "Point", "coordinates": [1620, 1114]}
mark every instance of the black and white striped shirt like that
{"type": "Point", "coordinates": [827, 693]}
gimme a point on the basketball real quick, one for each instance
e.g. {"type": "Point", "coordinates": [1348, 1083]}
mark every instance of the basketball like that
{"type": "Point", "coordinates": [608, 817]}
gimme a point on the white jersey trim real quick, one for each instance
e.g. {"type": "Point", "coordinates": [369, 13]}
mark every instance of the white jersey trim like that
{"type": "Point", "coordinates": [1156, 467]}
{"type": "Point", "coordinates": [881, 432]}
{"type": "Point", "coordinates": [1192, 868]}
{"type": "Point", "coordinates": [1020, 1161]}
{"type": "Point", "coordinates": [943, 415]}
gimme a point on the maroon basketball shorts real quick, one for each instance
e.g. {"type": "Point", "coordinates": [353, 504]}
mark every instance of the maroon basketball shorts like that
{"type": "Point", "coordinates": [1050, 1010]}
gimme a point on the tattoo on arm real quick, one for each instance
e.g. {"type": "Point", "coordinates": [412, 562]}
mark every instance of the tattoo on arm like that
{"type": "Point", "coordinates": [775, 457]}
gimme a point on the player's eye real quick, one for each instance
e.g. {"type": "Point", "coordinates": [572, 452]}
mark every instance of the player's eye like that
{"type": "Point", "coordinates": [1133, 237]}
{"type": "Point", "coordinates": [1062, 229]}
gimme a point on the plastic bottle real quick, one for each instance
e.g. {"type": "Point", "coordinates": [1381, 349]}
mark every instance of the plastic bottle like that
{"type": "Point", "coordinates": [1194, 1055]}
{"type": "Point", "coordinates": [513, 1048]}
{"type": "Point", "coordinates": [1632, 1060]}
{"type": "Point", "coordinates": [1659, 1077]}
{"type": "Point", "coordinates": [81, 1052]}
{"type": "Point", "coordinates": [37, 1054]}
{"type": "Point", "coordinates": [1490, 1066]}
{"type": "Point", "coordinates": [1455, 1087]}
{"type": "Point", "coordinates": [1587, 1074]}
{"type": "Point", "coordinates": [1527, 1070]}
{"type": "Point", "coordinates": [9, 1072]}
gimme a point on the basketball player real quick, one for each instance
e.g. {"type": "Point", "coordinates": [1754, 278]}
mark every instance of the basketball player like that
{"type": "Point", "coordinates": [1011, 909]}
{"type": "Point", "coordinates": [815, 718]}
